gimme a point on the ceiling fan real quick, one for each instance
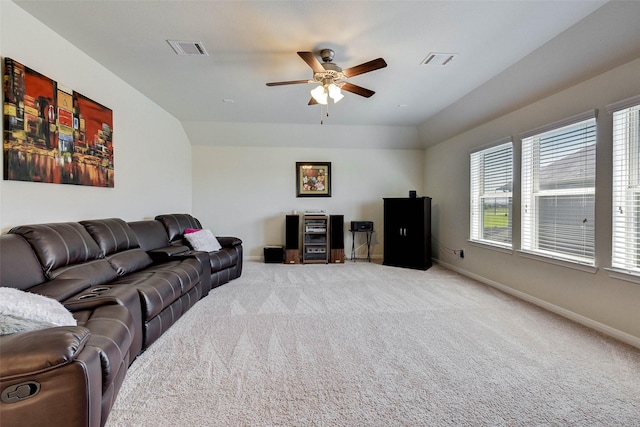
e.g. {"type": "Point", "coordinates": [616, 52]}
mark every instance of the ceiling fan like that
{"type": "Point", "coordinates": [332, 78]}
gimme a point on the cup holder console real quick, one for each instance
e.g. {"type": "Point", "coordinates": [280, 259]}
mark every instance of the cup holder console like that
{"type": "Point", "coordinates": [95, 292]}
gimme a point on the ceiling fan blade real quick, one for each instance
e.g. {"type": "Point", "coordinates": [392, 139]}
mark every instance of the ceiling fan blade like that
{"type": "Point", "coordinates": [312, 61]}
{"type": "Point", "coordinates": [312, 101]}
{"type": "Point", "coordinates": [358, 90]}
{"type": "Point", "coordinates": [365, 68]}
{"type": "Point", "coordinates": [290, 82]}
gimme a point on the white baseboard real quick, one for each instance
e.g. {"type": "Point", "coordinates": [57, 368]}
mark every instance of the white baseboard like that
{"type": "Point", "coordinates": [261, 258]}
{"type": "Point", "coordinates": [583, 320]}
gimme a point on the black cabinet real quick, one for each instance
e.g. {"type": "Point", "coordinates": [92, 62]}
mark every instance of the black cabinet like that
{"type": "Point", "coordinates": [407, 232]}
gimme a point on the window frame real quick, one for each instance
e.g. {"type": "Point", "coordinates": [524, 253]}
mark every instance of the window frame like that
{"type": "Point", "coordinates": [532, 194]}
{"type": "Point", "coordinates": [477, 194]}
{"type": "Point", "coordinates": [625, 186]}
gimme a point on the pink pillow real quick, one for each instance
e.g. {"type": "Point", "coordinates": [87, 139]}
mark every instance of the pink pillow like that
{"type": "Point", "coordinates": [191, 230]}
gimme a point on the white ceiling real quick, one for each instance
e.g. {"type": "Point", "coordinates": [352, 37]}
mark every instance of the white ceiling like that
{"type": "Point", "coordinates": [254, 42]}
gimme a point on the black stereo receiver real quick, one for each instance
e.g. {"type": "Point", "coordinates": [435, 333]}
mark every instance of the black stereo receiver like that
{"type": "Point", "coordinates": [361, 225]}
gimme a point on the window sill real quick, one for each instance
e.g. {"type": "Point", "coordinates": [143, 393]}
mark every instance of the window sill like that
{"type": "Point", "coordinates": [493, 247]}
{"type": "Point", "coordinates": [561, 262]}
{"type": "Point", "coordinates": [626, 275]}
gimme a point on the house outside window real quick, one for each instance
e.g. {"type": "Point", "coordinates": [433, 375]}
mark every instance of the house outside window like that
{"type": "Point", "coordinates": [626, 185]}
{"type": "Point", "coordinates": [491, 173]}
{"type": "Point", "coordinates": [558, 190]}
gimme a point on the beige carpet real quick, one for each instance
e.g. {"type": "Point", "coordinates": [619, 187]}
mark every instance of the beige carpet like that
{"type": "Point", "coordinates": [362, 344]}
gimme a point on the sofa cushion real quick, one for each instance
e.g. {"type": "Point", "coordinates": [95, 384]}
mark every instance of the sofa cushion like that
{"type": "Point", "coordinates": [223, 259]}
{"type": "Point", "coordinates": [59, 244]}
{"type": "Point", "coordinates": [111, 234]}
{"type": "Point", "coordinates": [119, 244]}
{"type": "Point", "coordinates": [151, 234]}
{"type": "Point", "coordinates": [18, 263]}
{"type": "Point", "coordinates": [161, 284]}
{"type": "Point", "coordinates": [95, 272]}
{"type": "Point", "coordinates": [129, 261]}
{"type": "Point", "coordinates": [175, 224]}
{"type": "Point", "coordinates": [22, 311]}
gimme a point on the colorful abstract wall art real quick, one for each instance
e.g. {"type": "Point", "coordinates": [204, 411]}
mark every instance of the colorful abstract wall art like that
{"type": "Point", "coordinates": [53, 134]}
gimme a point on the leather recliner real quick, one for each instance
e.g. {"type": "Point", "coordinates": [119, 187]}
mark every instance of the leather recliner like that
{"type": "Point", "coordinates": [123, 287]}
{"type": "Point", "coordinates": [226, 264]}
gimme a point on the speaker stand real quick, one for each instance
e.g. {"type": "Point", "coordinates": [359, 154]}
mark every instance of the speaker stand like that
{"type": "Point", "coordinates": [337, 256]}
{"type": "Point", "coordinates": [292, 256]}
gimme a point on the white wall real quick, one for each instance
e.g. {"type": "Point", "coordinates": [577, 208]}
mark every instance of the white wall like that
{"type": "Point", "coordinates": [152, 155]}
{"type": "Point", "coordinates": [247, 191]}
{"type": "Point", "coordinates": [596, 299]}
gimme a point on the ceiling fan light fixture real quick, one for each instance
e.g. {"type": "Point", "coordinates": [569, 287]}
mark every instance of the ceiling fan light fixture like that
{"type": "Point", "coordinates": [334, 92]}
{"type": "Point", "coordinates": [331, 79]}
{"type": "Point", "coordinates": [328, 90]}
{"type": "Point", "coordinates": [320, 95]}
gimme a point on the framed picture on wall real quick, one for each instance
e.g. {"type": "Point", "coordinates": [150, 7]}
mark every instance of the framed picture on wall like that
{"type": "Point", "coordinates": [313, 179]}
{"type": "Point", "coordinates": [52, 133]}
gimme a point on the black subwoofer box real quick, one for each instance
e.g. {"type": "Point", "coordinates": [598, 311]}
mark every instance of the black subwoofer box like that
{"type": "Point", "coordinates": [273, 254]}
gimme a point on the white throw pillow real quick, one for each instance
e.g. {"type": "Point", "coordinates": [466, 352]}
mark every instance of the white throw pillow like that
{"type": "Point", "coordinates": [203, 240]}
{"type": "Point", "coordinates": [22, 310]}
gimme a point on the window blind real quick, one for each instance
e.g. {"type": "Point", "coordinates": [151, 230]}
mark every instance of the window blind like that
{"type": "Point", "coordinates": [626, 189]}
{"type": "Point", "coordinates": [558, 192]}
{"type": "Point", "coordinates": [491, 173]}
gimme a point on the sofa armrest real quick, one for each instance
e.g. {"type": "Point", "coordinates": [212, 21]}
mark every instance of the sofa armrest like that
{"type": "Point", "coordinates": [161, 254]}
{"type": "Point", "coordinates": [172, 253]}
{"type": "Point", "coordinates": [89, 302]}
{"type": "Point", "coordinates": [50, 377]}
{"type": "Point", "coordinates": [228, 241]}
{"type": "Point", "coordinates": [61, 289]}
{"type": "Point", "coordinates": [25, 353]}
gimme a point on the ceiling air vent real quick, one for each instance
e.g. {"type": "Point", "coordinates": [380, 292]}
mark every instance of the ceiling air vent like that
{"type": "Point", "coordinates": [438, 58]}
{"type": "Point", "coordinates": [188, 48]}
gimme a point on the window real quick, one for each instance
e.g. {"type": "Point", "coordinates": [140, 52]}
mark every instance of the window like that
{"type": "Point", "coordinates": [491, 186]}
{"type": "Point", "coordinates": [558, 190]}
{"type": "Point", "coordinates": [626, 186]}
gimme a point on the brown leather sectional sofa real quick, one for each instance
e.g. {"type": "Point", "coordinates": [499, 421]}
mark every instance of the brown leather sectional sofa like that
{"type": "Point", "coordinates": [125, 284]}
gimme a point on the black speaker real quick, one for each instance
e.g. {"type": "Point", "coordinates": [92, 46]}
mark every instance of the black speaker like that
{"type": "Point", "coordinates": [336, 225]}
{"type": "Point", "coordinates": [336, 241]}
{"type": "Point", "coordinates": [292, 232]}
